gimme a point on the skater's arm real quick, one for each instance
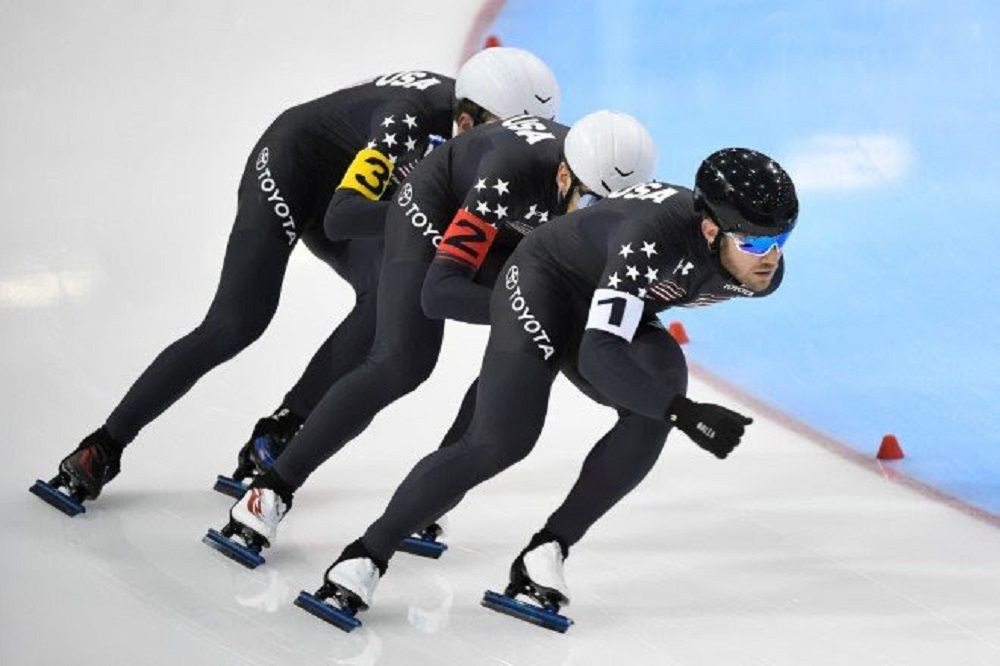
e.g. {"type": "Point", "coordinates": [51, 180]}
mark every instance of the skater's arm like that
{"type": "Point", "coordinates": [640, 254]}
{"type": "Point", "coordinates": [605, 362]}
{"type": "Point", "coordinates": [351, 215]}
{"type": "Point", "coordinates": [395, 144]}
{"type": "Point", "coordinates": [450, 293]}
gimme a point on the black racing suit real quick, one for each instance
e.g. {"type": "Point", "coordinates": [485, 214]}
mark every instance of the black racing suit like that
{"type": "Point", "coordinates": [288, 182]}
{"type": "Point", "coordinates": [494, 183]}
{"type": "Point", "coordinates": [580, 295]}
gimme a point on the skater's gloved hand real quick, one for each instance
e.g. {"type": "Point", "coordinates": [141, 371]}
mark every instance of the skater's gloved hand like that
{"type": "Point", "coordinates": [712, 427]}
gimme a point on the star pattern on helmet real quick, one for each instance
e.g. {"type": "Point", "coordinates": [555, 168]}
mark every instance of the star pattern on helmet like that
{"type": "Point", "coordinates": [410, 143]}
{"type": "Point", "coordinates": [626, 250]}
{"type": "Point", "coordinates": [614, 280]}
{"type": "Point", "coordinates": [389, 139]}
{"type": "Point", "coordinates": [649, 249]}
{"type": "Point", "coordinates": [410, 121]}
{"type": "Point", "coordinates": [632, 272]}
{"type": "Point", "coordinates": [388, 121]}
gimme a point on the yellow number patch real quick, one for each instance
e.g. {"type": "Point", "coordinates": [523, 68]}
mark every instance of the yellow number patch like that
{"type": "Point", "coordinates": [368, 174]}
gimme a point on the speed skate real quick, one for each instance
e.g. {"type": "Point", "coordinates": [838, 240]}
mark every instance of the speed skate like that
{"type": "Point", "coordinates": [333, 604]}
{"type": "Point", "coordinates": [69, 502]}
{"type": "Point", "coordinates": [537, 575]}
{"type": "Point", "coordinates": [426, 543]}
{"type": "Point", "coordinates": [246, 553]}
{"type": "Point", "coordinates": [546, 616]}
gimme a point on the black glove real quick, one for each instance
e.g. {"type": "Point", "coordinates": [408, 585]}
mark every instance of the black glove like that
{"type": "Point", "coordinates": [712, 427]}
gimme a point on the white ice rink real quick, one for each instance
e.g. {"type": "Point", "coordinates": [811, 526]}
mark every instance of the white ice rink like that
{"type": "Point", "coordinates": [123, 129]}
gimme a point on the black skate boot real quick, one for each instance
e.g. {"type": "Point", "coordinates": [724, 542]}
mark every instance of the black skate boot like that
{"type": "Point", "coordinates": [253, 520]}
{"type": "Point", "coordinates": [537, 574]}
{"type": "Point", "coordinates": [348, 587]}
{"type": "Point", "coordinates": [269, 438]}
{"type": "Point", "coordinates": [83, 473]}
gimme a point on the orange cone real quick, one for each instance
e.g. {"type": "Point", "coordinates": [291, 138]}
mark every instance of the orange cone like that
{"type": "Point", "coordinates": [491, 41]}
{"type": "Point", "coordinates": [890, 449]}
{"type": "Point", "coordinates": [677, 330]}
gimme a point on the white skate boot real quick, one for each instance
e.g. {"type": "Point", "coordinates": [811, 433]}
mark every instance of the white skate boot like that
{"type": "Point", "coordinates": [542, 572]}
{"type": "Point", "coordinates": [356, 578]}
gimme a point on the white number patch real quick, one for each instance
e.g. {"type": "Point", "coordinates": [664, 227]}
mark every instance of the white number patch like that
{"type": "Point", "coordinates": [615, 312]}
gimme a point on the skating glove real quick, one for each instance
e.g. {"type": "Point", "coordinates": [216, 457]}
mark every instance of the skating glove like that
{"type": "Point", "coordinates": [712, 427]}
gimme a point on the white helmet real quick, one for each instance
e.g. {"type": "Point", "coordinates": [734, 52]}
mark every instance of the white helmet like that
{"type": "Point", "coordinates": [609, 151]}
{"type": "Point", "coordinates": [507, 81]}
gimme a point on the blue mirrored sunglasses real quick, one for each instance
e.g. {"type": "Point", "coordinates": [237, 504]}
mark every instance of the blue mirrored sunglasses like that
{"type": "Point", "coordinates": [759, 245]}
{"type": "Point", "coordinates": [587, 199]}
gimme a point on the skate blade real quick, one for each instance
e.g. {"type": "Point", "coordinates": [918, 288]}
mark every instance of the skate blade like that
{"type": "Point", "coordinates": [543, 617]}
{"type": "Point", "coordinates": [51, 495]}
{"type": "Point", "coordinates": [229, 486]}
{"type": "Point", "coordinates": [233, 550]}
{"type": "Point", "coordinates": [422, 547]}
{"type": "Point", "coordinates": [342, 619]}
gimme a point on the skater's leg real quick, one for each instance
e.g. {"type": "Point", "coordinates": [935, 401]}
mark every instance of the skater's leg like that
{"type": "Point", "coordinates": [616, 465]}
{"type": "Point", "coordinates": [403, 354]}
{"type": "Point", "coordinates": [464, 416]}
{"type": "Point", "coordinates": [358, 262]}
{"type": "Point", "coordinates": [623, 457]}
{"type": "Point", "coordinates": [244, 303]}
{"type": "Point", "coordinates": [502, 432]}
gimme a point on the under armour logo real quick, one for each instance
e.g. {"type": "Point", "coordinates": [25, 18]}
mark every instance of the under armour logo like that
{"type": "Point", "coordinates": [684, 267]}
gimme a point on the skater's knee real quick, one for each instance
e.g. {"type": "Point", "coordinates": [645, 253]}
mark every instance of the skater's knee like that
{"type": "Point", "coordinates": [234, 329]}
{"type": "Point", "coordinates": [508, 453]}
{"type": "Point", "coordinates": [403, 370]}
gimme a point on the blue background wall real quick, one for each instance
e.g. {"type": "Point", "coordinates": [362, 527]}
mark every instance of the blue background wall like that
{"type": "Point", "coordinates": [887, 114]}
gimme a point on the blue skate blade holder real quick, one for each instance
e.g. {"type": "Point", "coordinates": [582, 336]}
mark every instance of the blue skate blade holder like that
{"type": "Point", "coordinates": [229, 486]}
{"type": "Point", "coordinates": [424, 545]}
{"type": "Point", "coordinates": [342, 619]}
{"type": "Point", "coordinates": [237, 552]}
{"type": "Point", "coordinates": [543, 617]}
{"type": "Point", "coordinates": [50, 494]}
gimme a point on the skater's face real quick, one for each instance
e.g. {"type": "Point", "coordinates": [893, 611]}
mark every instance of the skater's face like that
{"type": "Point", "coordinates": [465, 120]}
{"type": "Point", "coordinates": [580, 196]}
{"type": "Point", "coordinates": [753, 271]}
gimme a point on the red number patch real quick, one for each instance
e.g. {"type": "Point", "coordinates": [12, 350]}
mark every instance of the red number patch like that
{"type": "Point", "coordinates": [467, 239]}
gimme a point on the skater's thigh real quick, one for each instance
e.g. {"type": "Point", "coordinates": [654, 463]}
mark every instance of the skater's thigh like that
{"type": "Point", "coordinates": [401, 326]}
{"type": "Point", "coordinates": [252, 274]}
